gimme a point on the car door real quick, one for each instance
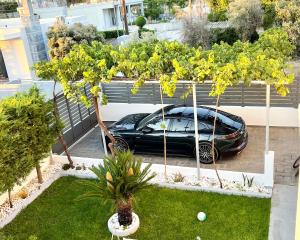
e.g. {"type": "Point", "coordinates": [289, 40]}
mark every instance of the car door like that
{"type": "Point", "coordinates": [181, 137]}
{"type": "Point", "coordinates": [151, 137]}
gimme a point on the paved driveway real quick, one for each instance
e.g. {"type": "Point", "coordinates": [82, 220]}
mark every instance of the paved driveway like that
{"type": "Point", "coordinates": [284, 141]}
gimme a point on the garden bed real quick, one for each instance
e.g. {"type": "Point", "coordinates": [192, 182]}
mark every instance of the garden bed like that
{"type": "Point", "coordinates": [164, 214]}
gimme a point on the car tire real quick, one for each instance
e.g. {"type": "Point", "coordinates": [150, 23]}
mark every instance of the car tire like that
{"type": "Point", "coordinates": [121, 144]}
{"type": "Point", "coordinates": [205, 153]}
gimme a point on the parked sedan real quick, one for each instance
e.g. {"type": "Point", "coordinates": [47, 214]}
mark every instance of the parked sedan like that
{"type": "Point", "coordinates": [144, 132]}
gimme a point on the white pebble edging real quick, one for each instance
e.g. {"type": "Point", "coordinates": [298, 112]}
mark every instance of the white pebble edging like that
{"type": "Point", "coordinates": [213, 190]}
{"type": "Point", "coordinates": [24, 203]}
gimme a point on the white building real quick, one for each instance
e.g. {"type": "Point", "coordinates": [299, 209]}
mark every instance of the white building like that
{"type": "Point", "coordinates": [23, 41]}
{"type": "Point", "coordinates": [105, 15]}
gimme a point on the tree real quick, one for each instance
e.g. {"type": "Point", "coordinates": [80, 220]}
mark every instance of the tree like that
{"type": "Point", "coordinates": [14, 166]}
{"type": "Point", "coordinates": [43, 128]}
{"type": "Point", "coordinates": [47, 71]}
{"type": "Point", "coordinates": [140, 21]}
{"type": "Point", "coordinates": [153, 8]}
{"type": "Point", "coordinates": [196, 33]}
{"type": "Point", "coordinates": [118, 180]}
{"type": "Point", "coordinates": [27, 132]}
{"type": "Point", "coordinates": [87, 65]}
{"type": "Point", "coordinates": [245, 16]}
{"type": "Point", "coordinates": [288, 14]}
{"type": "Point", "coordinates": [61, 37]}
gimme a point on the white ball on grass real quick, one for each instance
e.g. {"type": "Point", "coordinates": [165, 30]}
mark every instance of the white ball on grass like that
{"type": "Point", "coordinates": [201, 216]}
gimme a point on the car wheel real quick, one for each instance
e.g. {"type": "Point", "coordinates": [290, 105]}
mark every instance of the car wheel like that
{"type": "Point", "coordinates": [205, 153]}
{"type": "Point", "coordinates": [121, 145]}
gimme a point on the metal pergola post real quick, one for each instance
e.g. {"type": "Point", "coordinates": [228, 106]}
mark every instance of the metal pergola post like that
{"type": "Point", "coordinates": [196, 130]}
{"type": "Point", "coordinates": [267, 144]}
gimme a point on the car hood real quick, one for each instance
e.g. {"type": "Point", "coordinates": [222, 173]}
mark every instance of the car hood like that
{"type": "Point", "coordinates": [128, 122]}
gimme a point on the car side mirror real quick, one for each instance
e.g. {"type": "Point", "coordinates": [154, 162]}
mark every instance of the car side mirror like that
{"type": "Point", "coordinates": [147, 130]}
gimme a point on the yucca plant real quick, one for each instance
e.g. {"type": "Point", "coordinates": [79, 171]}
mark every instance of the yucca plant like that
{"type": "Point", "coordinates": [118, 179]}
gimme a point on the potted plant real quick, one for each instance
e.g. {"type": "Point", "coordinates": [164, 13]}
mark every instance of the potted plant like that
{"type": "Point", "coordinates": [118, 180]}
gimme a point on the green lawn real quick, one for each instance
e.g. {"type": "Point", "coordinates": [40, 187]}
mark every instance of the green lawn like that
{"type": "Point", "coordinates": [165, 214]}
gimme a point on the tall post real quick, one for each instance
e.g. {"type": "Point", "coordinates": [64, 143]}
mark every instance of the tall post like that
{"type": "Point", "coordinates": [267, 144]}
{"type": "Point", "coordinates": [124, 14]}
{"type": "Point", "coordinates": [196, 130]}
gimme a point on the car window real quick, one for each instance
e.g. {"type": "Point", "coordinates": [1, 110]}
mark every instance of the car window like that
{"type": "Point", "coordinates": [182, 125]}
{"type": "Point", "coordinates": [201, 126]}
{"type": "Point", "coordinates": [157, 124]}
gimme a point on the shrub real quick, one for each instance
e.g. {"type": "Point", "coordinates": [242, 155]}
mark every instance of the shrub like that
{"type": "Point", "coordinates": [195, 33]}
{"type": "Point", "coordinates": [142, 30]}
{"type": "Point", "coordinates": [228, 35]}
{"type": "Point", "coordinates": [66, 166]}
{"type": "Point", "coordinates": [269, 16]}
{"type": "Point", "coordinates": [113, 33]}
{"type": "Point", "coordinates": [23, 193]}
{"type": "Point", "coordinates": [245, 16]}
{"type": "Point", "coordinates": [178, 177]}
{"type": "Point", "coordinates": [61, 38]}
{"type": "Point", "coordinates": [217, 16]}
{"type": "Point", "coordinates": [78, 168]}
{"type": "Point", "coordinates": [140, 22]}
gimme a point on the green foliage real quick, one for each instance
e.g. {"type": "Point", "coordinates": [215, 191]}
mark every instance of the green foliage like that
{"type": "Point", "coordinates": [27, 131]}
{"type": "Point", "coordinates": [218, 5]}
{"type": "Point", "coordinates": [113, 33]}
{"type": "Point", "coordinates": [66, 166]}
{"type": "Point", "coordinates": [61, 38]}
{"type": "Point", "coordinates": [142, 30]}
{"type": "Point", "coordinates": [8, 6]}
{"type": "Point", "coordinates": [140, 21]}
{"type": "Point", "coordinates": [196, 33]}
{"type": "Point", "coordinates": [119, 178]}
{"type": "Point", "coordinates": [153, 8]}
{"type": "Point", "coordinates": [217, 16]}
{"type": "Point", "coordinates": [245, 16]}
{"type": "Point", "coordinates": [4, 237]}
{"type": "Point", "coordinates": [269, 16]}
{"type": "Point", "coordinates": [227, 35]}
{"type": "Point", "coordinates": [85, 65]}
{"type": "Point", "coordinates": [288, 14]}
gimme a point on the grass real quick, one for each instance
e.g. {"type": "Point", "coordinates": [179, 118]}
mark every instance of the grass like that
{"type": "Point", "coordinates": [165, 214]}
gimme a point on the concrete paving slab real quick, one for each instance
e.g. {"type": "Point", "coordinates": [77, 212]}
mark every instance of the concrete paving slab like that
{"type": "Point", "coordinates": [283, 213]}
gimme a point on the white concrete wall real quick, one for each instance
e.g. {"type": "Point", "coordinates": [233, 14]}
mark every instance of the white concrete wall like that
{"type": "Point", "coordinates": [253, 116]}
{"type": "Point", "coordinates": [16, 58]}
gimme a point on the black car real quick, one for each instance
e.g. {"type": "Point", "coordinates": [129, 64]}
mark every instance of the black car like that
{"type": "Point", "coordinates": [143, 132]}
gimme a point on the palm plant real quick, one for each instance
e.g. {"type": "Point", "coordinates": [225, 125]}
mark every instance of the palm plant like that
{"type": "Point", "coordinates": [118, 179]}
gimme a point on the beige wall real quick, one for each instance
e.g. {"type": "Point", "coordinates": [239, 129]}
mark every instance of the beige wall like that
{"type": "Point", "coordinates": [16, 60]}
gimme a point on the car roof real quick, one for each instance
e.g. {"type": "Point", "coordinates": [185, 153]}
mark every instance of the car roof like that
{"type": "Point", "coordinates": [186, 111]}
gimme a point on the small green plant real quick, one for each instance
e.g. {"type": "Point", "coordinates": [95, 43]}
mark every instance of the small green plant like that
{"type": "Point", "coordinates": [113, 33]}
{"type": "Point", "coordinates": [66, 166]}
{"type": "Point", "coordinates": [178, 177]}
{"type": "Point", "coordinates": [140, 22]}
{"type": "Point", "coordinates": [78, 168]}
{"type": "Point", "coordinates": [247, 181]}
